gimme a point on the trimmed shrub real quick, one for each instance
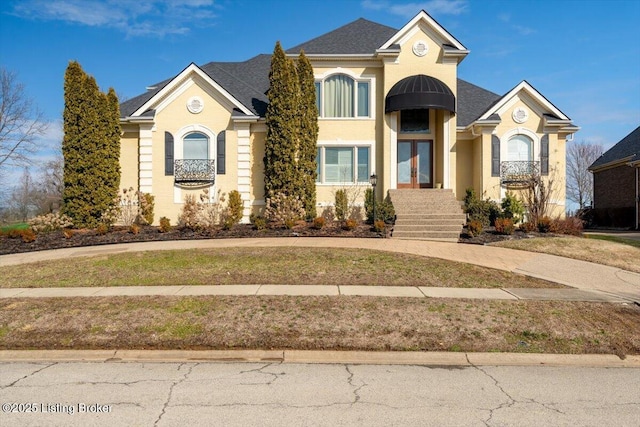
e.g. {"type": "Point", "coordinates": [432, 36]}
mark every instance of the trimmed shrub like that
{"type": "Point", "coordinates": [528, 227]}
{"type": "Point", "coordinates": [474, 227]}
{"type": "Point", "coordinates": [379, 226]}
{"type": "Point", "coordinates": [384, 209]}
{"type": "Point", "coordinates": [27, 235]}
{"type": "Point", "coordinates": [349, 224]}
{"type": "Point", "coordinates": [544, 224]}
{"type": "Point", "coordinates": [512, 208]}
{"type": "Point", "coordinates": [485, 211]}
{"type": "Point", "coordinates": [504, 226]}
{"type": "Point", "coordinates": [318, 223]}
{"type": "Point", "coordinates": [165, 225]}
{"type": "Point", "coordinates": [342, 205]}
{"type": "Point", "coordinates": [234, 211]}
{"type": "Point", "coordinates": [102, 229]}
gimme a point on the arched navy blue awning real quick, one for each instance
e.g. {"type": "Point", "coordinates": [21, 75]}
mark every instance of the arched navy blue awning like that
{"type": "Point", "coordinates": [420, 91]}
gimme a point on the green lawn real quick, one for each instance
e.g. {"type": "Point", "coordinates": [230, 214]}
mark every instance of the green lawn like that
{"type": "Point", "coordinates": [17, 226]}
{"type": "Point", "coordinates": [285, 266]}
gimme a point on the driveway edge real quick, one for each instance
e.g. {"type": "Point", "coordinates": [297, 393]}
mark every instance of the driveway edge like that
{"type": "Point", "coordinates": [434, 359]}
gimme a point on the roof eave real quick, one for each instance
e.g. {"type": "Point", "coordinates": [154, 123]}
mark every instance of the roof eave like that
{"type": "Point", "coordinates": [629, 160]}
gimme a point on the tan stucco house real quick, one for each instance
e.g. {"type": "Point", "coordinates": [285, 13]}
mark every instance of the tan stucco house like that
{"type": "Point", "coordinates": [390, 103]}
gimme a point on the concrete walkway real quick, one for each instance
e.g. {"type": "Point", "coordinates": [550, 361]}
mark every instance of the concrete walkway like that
{"type": "Point", "coordinates": [596, 281]}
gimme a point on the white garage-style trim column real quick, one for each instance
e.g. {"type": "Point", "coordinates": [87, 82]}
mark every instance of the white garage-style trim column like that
{"type": "Point", "coordinates": [145, 153]}
{"type": "Point", "coordinates": [242, 126]}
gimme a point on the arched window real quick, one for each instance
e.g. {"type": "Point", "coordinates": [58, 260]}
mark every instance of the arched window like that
{"type": "Point", "coordinates": [343, 96]}
{"type": "Point", "coordinates": [195, 147]}
{"type": "Point", "coordinates": [520, 148]}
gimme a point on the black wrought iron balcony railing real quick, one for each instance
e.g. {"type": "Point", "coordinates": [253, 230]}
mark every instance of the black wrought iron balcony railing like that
{"type": "Point", "coordinates": [194, 171]}
{"type": "Point", "coordinates": [518, 173]}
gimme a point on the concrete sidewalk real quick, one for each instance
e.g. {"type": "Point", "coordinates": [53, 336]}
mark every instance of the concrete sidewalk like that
{"type": "Point", "coordinates": [313, 290]}
{"type": "Point", "coordinates": [582, 275]}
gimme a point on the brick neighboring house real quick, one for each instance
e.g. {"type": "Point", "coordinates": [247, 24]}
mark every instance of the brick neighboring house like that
{"type": "Point", "coordinates": [616, 183]}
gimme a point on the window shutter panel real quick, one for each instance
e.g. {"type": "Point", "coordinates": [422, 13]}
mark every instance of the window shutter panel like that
{"type": "Point", "coordinates": [168, 154]}
{"type": "Point", "coordinates": [544, 155]}
{"type": "Point", "coordinates": [495, 155]}
{"type": "Point", "coordinates": [221, 152]}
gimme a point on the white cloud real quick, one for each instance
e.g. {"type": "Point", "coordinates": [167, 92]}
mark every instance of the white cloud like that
{"type": "Point", "coordinates": [408, 10]}
{"type": "Point", "coordinates": [153, 18]}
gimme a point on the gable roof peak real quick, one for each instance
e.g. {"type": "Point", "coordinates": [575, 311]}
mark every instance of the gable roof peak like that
{"type": "Point", "coordinates": [424, 17]}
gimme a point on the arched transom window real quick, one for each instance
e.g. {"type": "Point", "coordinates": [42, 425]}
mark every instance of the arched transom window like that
{"type": "Point", "coordinates": [196, 146]}
{"type": "Point", "coordinates": [519, 148]}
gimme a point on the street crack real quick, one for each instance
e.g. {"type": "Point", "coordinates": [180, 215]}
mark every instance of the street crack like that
{"type": "Point", "coordinates": [29, 375]}
{"type": "Point", "coordinates": [274, 376]}
{"type": "Point", "coordinates": [356, 389]}
{"type": "Point", "coordinates": [175, 383]}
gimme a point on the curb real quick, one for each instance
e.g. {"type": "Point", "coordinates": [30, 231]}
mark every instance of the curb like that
{"type": "Point", "coordinates": [434, 359]}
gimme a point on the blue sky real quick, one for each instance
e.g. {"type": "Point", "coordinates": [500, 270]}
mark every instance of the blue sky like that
{"type": "Point", "coordinates": [584, 56]}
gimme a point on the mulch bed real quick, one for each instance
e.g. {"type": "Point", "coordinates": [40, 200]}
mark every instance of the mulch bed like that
{"type": "Point", "coordinates": [57, 240]}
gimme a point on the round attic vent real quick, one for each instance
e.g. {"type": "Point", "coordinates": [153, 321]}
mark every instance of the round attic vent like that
{"type": "Point", "coordinates": [195, 104]}
{"type": "Point", "coordinates": [420, 48]}
{"type": "Point", "coordinates": [520, 115]}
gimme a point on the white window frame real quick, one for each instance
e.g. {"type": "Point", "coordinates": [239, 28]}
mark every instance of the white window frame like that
{"type": "Point", "coordinates": [364, 78]}
{"type": "Point", "coordinates": [504, 142]}
{"type": "Point", "coordinates": [354, 145]}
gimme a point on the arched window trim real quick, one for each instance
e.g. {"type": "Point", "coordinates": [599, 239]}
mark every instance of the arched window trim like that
{"type": "Point", "coordinates": [504, 142]}
{"type": "Point", "coordinates": [370, 79]}
{"type": "Point", "coordinates": [179, 150]}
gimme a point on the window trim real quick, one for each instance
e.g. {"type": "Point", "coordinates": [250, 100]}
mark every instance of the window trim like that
{"type": "Point", "coordinates": [363, 78]}
{"type": "Point", "coordinates": [354, 145]}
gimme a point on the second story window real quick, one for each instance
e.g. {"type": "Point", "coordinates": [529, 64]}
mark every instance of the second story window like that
{"type": "Point", "coordinates": [341, 96]}
{"type": "Point", "coordinates": [196, 146]}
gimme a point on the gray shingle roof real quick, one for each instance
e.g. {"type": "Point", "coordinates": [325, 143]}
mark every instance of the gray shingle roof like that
{"type": "Point", "coordinates": [358, 37]}
{"type": "Point", "coordinates": [248, 81]}
{"type": "Point", "coordinates": [628, 146]}
{"type": "Point", "coordinates": [473, 101]}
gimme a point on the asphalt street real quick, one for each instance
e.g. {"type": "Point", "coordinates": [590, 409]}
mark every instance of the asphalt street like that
{"type": "Point", "coordinates": [269, 394]}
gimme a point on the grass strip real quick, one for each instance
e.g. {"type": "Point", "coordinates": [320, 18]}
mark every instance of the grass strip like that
{"type": "Point", "coordinates": [339, 323]}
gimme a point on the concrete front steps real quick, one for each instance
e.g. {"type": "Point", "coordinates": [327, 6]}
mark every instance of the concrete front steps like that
{"type": "Point", "coordinates": [427, 214]}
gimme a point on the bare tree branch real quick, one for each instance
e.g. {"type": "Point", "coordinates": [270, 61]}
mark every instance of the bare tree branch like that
{"type": "Point", "coordinates": [580, 155]}
{"type": "Point", "coordinates": [20, 122]}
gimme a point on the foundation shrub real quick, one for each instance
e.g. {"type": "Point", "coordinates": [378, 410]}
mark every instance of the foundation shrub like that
{"type": "Point", "coordinates": [544, 224]}
{"type": "Point", "coordinates": [68, 233]}
{"type": "Point", "coordinates": [165, 225]}
{"type": "Point", "coordinates": [528, 227]}
{"type": "Point", "coordinates": [474, 227]}
{"type": "Point", "coordinates": [485, 211]}
{"type": "Point", "coordinates": [342, 205]}
{"type": "Point", "coordinates": [512, 208]}
{"type": "Point", "coordinates": [379, 226]}
{"type": "Point", "coordinates": [570, 225]}
{"type": "Point", "coordinates": [189, 214]}
{"type": "Point", "coordinates": [504, 226]}
{"type": "Point", "coordinates": [350, 224]}
{"type": "Point", "coordinates": [27, 235]}
{"type": "Point", "coordinates": [102, 229]}
{"type": "Point", "coordinates": [234, 211]}
{"type": "Point", "coordinates": [318, 223]}
{"type": "Point", "coordinates": [284, 210]}
{"type": "Point", "coordinates": [147, 205]}
{"type": "Point", "coordinates": [258, 221]}
{"type": "Point", "coordinates": [50, 222]}
{"type": "Point", "coordinates": [134, 229]}
{"type": "Point", "coordinates": [384, 209]}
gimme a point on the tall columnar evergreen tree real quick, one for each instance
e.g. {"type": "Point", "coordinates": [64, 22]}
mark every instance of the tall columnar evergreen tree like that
{"type": "Point", "coordinates": [308, 139]}
{"type": "Point", "coordinates": [282, 122]}
{"type": "Point", "coordinates": [91, 148]}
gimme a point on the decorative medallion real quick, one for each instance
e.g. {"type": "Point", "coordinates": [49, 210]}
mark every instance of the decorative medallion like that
{"type": "Point", "coordinates": [520, 115]}
{"type": "Point", "coordinates": [195, 104]}
{"type": "Point", "coordinates": [420, 48]}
